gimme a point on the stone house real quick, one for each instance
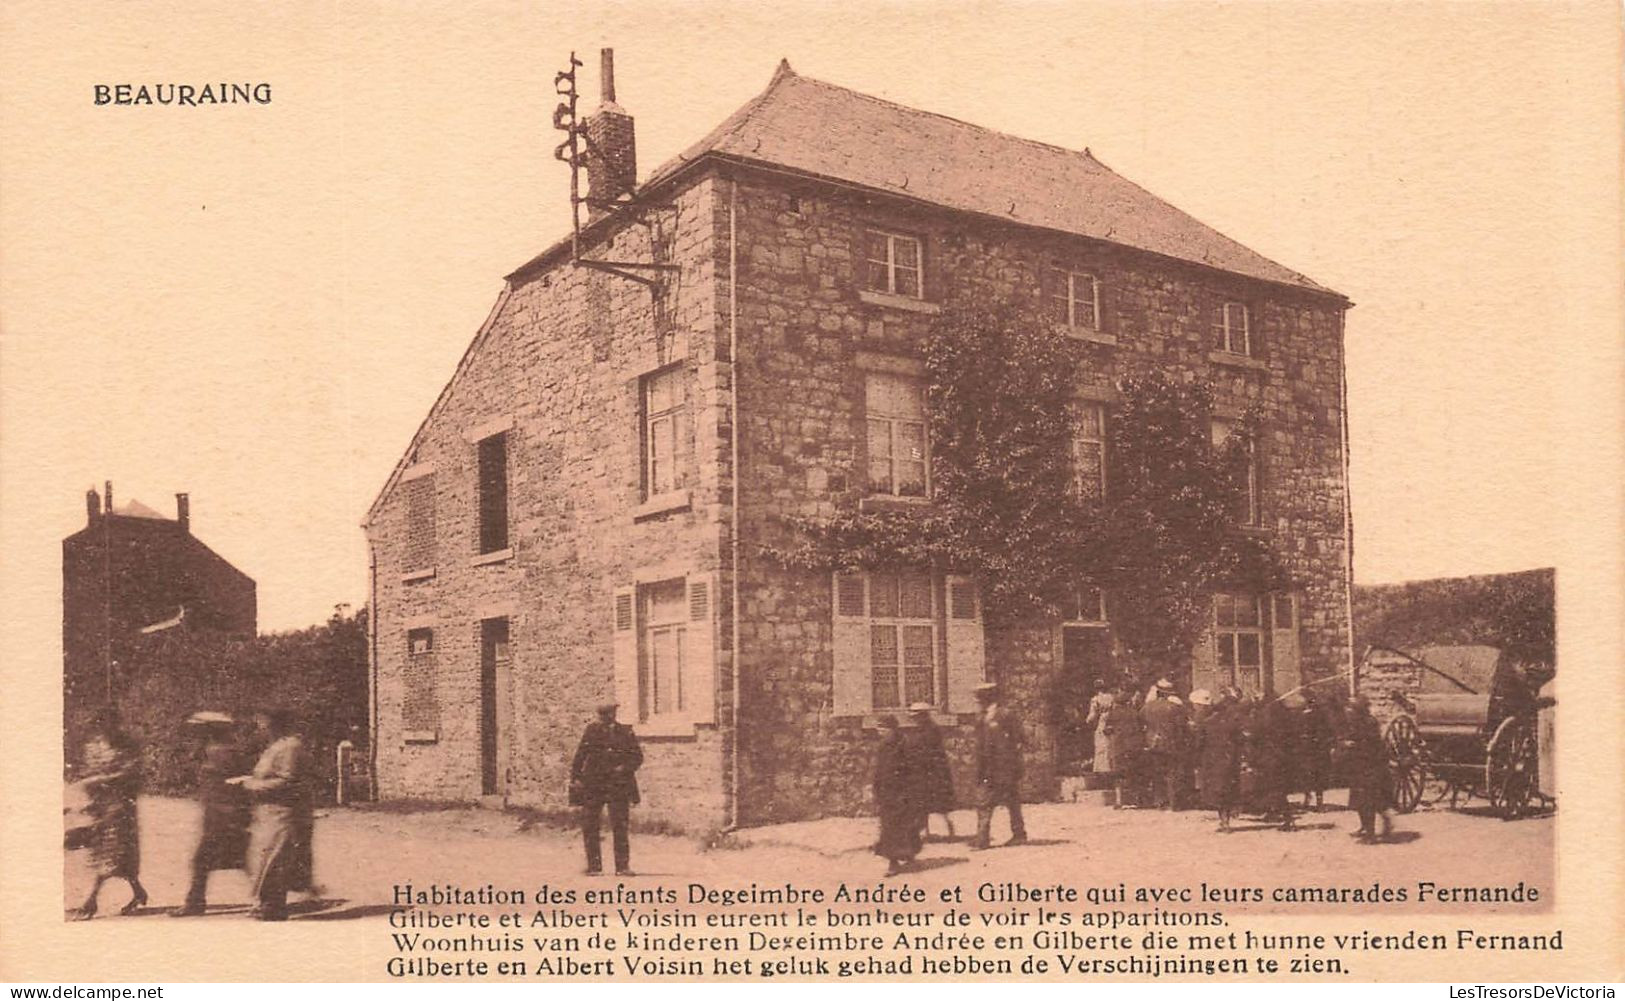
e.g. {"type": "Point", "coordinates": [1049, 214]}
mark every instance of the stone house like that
{"type": "Point", "coordinates": [567, 526]}
{"type": "Point", "coordinates": [131, 571]}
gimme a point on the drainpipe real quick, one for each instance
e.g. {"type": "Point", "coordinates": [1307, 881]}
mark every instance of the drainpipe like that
{"type": "Point", "coordinates": [372, 671]}
{"type": "Point", "coordinates": [733, 452]}
{"type": "Point", "coordinates": [1348, 509]}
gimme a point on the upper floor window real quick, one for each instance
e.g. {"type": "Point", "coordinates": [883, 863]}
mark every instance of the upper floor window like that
{"type": "Point", "coordinates": [665, 431]}
{"type": "Point", "coordinates": [1074, 299]}
{"type": "Point", "coordinates": [1238, 629]}
{"type": "Point", "coordinates": [493, 493]}
{"type": "Point", "coordinates": [894, 412]}
{"type": "Point", "coordinates": [1232, 329]}
{"type": "Point", "coordinates": [1089, 452]}
{"type": "Point", "coordinates": [420, 524]}
{"type": "Point", "coordinates": [1247, 508]}
{"type": "Point", "coordinates": [892, 263]}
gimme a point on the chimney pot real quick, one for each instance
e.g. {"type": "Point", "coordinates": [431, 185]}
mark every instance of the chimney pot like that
{"type": "Point", "coordinates": [93, 504]}
{"type": "Point", "coordinates": [183, 511]}
{"type": "Point", "coordinates": [107, 502]}
{"type": "Point", "coordinates": [606, 75]}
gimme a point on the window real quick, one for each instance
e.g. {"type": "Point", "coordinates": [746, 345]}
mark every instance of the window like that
{"type": "Point", "coordinates": [493, 493]}
{"type": "Point", "coordinates": [420, 538]}
{"type": "Point", "coordinates": [663, 642]}
{"type": "Point", "coordinates": [420, 707]}
{"type": "Point", "coordinates": [1231, 331]}
{"type": "Point", "coordinates": [1246, 472]}
{"type": "Point", "coordinates": [902, 637]}
{"type": "Point", "coordinates": [894, 408]}
{"type": "Point", "coordinates": [892, 263]}
{"type": "Point", "coordinates": [661, 671]}
{"type": "Point", "coordinates": [1074, 299]}
{"type": "Point", "coordinates": [902, 640]}
{"type": "Point", "coordinates": [1085, 604]}
{"type": "Point", "coordinates": [665, 431]}
{"type": "Point", "coordinates": [1089, 452]}
{"type": "Point", "coordinates": [1238, 629]}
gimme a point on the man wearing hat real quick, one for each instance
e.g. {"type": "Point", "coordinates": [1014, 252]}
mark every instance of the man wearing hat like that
{"type": "Point", "coordinates": [283, 826]}
{"type": "Point", "coordinates": [604, 773]}
{"type": "Point", "coordinates": [223, 834]}
{"type": "Point", "coordinates": [1166, 726]}
{"type": "Point", "coordinates": [998, 767]}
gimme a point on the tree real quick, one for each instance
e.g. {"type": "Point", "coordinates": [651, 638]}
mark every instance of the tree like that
{"type": "Point", "coordinates": [1001, 392]}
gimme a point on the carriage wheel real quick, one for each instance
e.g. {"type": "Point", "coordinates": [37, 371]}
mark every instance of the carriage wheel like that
{"type": "Point", "coordinates": [1406, 771]}
{"type": "Point", "coordinates": [1510, 768]}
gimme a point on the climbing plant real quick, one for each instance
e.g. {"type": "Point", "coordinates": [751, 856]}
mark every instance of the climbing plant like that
{"type": "Point", "coordinates": [1000, 386]}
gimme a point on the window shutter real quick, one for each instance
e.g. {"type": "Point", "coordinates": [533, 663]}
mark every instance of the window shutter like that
{"type": "Point", "coordinates": [967, 666]}
{"type": "Point", "coordinates": [850, 642]}
{"type": "Point", "coordinates": [624, 642]}
{"type": "Point", "coordinates": [700, 689]}
{"type": "Point", "coordinates": [1288, 673]}
{"type": "Point", "coordinates": [1204, 665]}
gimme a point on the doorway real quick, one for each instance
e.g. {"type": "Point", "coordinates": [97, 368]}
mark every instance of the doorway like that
{"type": "Point", "coordinates": [494, 662]}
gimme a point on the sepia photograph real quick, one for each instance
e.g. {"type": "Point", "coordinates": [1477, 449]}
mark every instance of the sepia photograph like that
{"type": "Point", "coordinates": [659, 492]}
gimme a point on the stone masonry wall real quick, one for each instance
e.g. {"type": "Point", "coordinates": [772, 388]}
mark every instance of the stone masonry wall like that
{"type": "Point", "coordinates": [561, 358]}
{"type": "Point", "coordinates": [806, 334]}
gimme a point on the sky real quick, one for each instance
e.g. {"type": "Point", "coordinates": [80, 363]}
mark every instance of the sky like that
{"type": "Point", "coordinates": [257, 305]}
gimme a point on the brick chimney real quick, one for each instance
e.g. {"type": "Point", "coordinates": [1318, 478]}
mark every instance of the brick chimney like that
{"type": "Point", "coordinates": [93, 505]}
{"type": "Point", "coordinates": [107, 502]}
{"type": "Point", "coordinates": [183, 511]}
{"type": "Point", "coordinates": [612, 159]}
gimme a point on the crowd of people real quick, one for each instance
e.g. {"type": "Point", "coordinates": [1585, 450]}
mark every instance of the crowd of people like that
{"type": "Point", "coordinates": [1240, 754]}
{"type": "Point", "coordinates": [259, 820]}
{"type": "Point", "coordinates": [1224, 751]}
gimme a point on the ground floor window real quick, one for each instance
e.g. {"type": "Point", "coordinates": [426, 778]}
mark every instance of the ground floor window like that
{"type": "Point", "coordinates": [1238, 631]}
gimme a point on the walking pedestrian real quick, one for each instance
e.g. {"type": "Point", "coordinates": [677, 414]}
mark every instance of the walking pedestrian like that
{"type": "Point", "coordinates": [999, 744]}
{"type": "Point", "coordinates": [896, 799]}
{"type": "Point", "coordinates": [1317, 735]}
{"type": "Point", "coordinates": [223, 833]}
{"type": "Point", "coordinates": [112, 780]}
{"type": "Point", "coordinates": [604, 774]}
{"type": "Point", "coordinates": [929, 768]}
{"type": "Point", "coordinates": [281, 834]}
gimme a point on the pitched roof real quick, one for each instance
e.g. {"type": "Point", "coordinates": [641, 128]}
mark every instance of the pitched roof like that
{"type": "Point", "coordinates": [827, 131]}
{"type": "Point", "coordinates": [136, 509]}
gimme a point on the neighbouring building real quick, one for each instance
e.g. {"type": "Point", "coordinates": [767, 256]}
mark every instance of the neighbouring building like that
{"type": "Point", "coordinates": [582, 513]}
{"type": "Point", "coordinates": [129, 573]}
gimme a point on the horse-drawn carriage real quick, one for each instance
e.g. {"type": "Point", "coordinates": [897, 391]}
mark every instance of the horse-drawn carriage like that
{"type": "Point", "coordinates": [1471, 729]}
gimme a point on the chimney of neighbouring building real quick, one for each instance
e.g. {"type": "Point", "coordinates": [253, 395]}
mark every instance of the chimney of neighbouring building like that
{"type": "Point", "coordinates": [183, 511]}
{"type": "Point", "coordinates": [612, 159]}
{"type": "Point", "coordinates": [93, 505]}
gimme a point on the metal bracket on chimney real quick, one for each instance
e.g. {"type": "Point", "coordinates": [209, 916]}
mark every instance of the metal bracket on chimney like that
{"type": "Point", "coordinates": [574, 151]}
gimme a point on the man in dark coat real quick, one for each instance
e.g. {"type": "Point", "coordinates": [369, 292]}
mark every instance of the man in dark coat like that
{"type": "Point", "coordinates": [1367, 762]}
{"type": "Point", "coordinates": [1220, 756]}
{"type": "Point", "coordinates": [928, 766]}
{"type": "Point", "coordinates": [223, 836]}
{"type": "Point", "coordinates": [1317, 734]}
{"type": "Point", "coordinates": [604, 773]}
{"type": "Point", "coordinates": [897, 796]}
{"type": "Point", "coordinates": [1167, 723]}
{"type": "Point", "coordinates": [998, 767]}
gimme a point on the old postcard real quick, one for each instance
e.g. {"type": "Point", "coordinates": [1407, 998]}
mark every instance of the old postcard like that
{"type": "Point", "coordinates": [651, 492]}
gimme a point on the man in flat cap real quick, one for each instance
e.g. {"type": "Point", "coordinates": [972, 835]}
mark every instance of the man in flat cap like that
{"type": "Point", "coordinates": [998, 767]}
{"type": "Point", "coordinates": [604, 773]}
